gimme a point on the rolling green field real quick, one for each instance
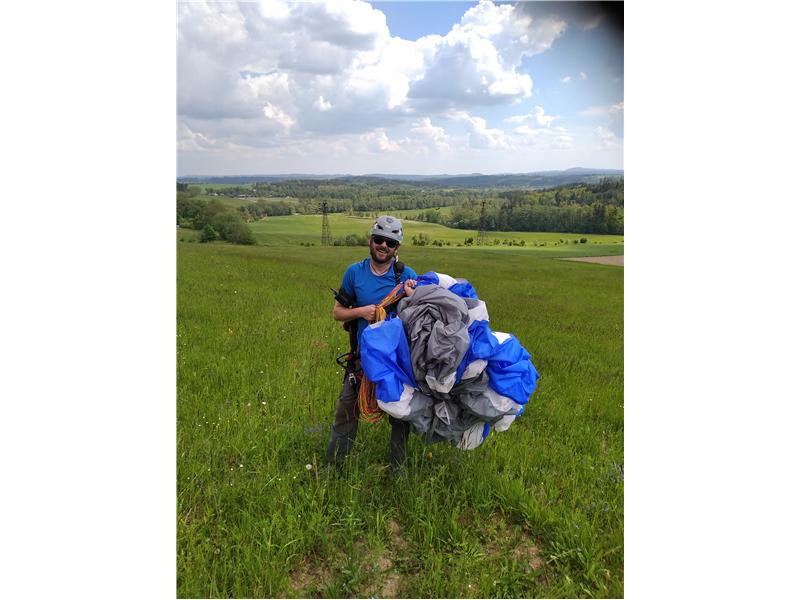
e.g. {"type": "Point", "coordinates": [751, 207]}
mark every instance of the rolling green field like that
{"type": "Point", "coordinates": [295, 229]}
{"type": "Point", "coordinates": [536, 511]}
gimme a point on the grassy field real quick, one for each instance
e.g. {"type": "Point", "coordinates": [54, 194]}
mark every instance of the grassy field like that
{"type": "Point", "coordinates": [295, 229]}
{"type": "Point", "coordinates": [536, 511]}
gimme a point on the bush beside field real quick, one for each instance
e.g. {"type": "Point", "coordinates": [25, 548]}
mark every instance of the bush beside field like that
{"type": "Point", "coordinates": [536, 511]}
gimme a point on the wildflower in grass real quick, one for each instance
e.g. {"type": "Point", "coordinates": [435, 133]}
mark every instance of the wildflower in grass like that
{"type": "Point", "coordinates": [308, 467]}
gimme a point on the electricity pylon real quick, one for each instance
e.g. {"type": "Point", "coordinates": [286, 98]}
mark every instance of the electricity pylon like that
{"type": "Point", "coordinates": [326, 227]}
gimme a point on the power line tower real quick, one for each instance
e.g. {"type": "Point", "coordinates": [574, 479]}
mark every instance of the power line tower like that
{"type": "Point", "coordinates": [482, 225]}
{"type": "Point", "coordinates": [326, 227]}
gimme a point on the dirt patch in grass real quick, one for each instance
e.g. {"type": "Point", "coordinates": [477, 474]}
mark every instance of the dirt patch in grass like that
{"type": "Point", "coordinates": [515, 541]}
{"type": "Point", "coordinates": [396, 538]}
{"type": "Point", "coordinates": [385, 578]}
{"type": "Point", "coordinates": [618, 261]}
{"type": "Point", "coordinates": [308, 574]}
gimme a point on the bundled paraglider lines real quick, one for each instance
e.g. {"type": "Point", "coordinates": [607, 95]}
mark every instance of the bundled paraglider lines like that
{"type": "Point", "coordinates": [367, 401]}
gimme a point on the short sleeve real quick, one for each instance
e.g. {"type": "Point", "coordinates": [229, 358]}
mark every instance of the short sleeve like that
{"type": "Point", "coordinates": [409, 273]}
{"type": "Point", "coordinates": [348, 282]}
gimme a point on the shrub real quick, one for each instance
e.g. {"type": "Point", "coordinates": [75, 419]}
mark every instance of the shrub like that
{"type": "Point", "coordinates": [583, 240]}
{"type": "Point", "coordinates": [422, 239]}
{"type": "Point", "coordinates": [239, 233]}
{"type": "Point", "coordinates": [209, 234]}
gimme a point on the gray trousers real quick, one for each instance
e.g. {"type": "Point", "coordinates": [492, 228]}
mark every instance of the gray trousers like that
{"type": "Point", "coordinates": [345, 428]}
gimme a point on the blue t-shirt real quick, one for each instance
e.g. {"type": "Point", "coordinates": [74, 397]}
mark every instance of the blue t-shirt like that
{"type": "Point", "coordinates": [367, 288]}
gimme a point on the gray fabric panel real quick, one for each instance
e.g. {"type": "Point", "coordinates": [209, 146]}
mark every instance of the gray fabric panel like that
{"type": "Point", "coordinates": [435, 321]}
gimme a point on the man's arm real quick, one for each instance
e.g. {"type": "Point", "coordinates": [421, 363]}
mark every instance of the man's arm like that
{"type": "Point", "coordinates": [340, 313]}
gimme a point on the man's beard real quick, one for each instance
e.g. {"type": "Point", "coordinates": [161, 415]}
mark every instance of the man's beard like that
{"type": "Point", "coordinates": [376, 257]}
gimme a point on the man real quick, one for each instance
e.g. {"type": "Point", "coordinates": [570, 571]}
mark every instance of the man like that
{"type": "Point", "coordinates": [367, 282]}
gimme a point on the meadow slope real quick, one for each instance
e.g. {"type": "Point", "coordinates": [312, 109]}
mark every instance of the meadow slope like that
{"type": "Point", "coordinates": [536, 511]}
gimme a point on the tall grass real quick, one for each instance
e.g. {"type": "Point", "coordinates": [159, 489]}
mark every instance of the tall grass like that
{"type": "Point", "coordinates": [536, 511]}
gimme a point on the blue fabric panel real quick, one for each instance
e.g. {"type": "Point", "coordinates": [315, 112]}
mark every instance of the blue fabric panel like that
{"type": "Point", "coordinates": [464, 289]}
{"type": "Point", "coordinates": [386, 359]}
{"type": "Point", "coordinates": [511, 372]}
{"type": "Point", "coordinates": [428, 278]}
{"type": "Point", "coordinates": [481, 345]}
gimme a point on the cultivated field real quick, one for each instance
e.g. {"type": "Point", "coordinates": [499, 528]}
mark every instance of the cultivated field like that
{"type": "Point", "coordinates": [537, 511]}
{"type": "Point", "coordinates": [296, 229]}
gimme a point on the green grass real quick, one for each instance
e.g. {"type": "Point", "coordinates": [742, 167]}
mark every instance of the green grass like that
{"type": "Point", "coordinates": [537, 511]}
{"type": "Point", "coordinates": [296, 229]}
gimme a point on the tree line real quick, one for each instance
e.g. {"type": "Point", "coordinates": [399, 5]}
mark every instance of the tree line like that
{"type": "Point", "coordinates": [213, 219]}
{"type": "Point", "coordinates": [585, 208]}
{"type": "Point", "coordinates": [578, 208]}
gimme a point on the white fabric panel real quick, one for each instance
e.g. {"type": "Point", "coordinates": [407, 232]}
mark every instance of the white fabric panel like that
{"type": "Point", "coordinates": [445, 280]}
{"type": "Point", "coordinates": [501, 403]}
{"type": "Point", "coordinates": [402, 407]}
{"type": "Point", "coordinates": [472, 437]}
{"type": "Point", "coordinates": [441, 386]}
{"type": "Point", "coordinates": [500, 336]}
{"type": "Point", "coordinates": [474, 369]}
{"type": "Point", "coordinates": [479, 313]}
{"type": "Point", "coordinates": [504, 423]}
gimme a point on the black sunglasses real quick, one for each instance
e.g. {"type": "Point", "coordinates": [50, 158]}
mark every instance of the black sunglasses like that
{"type": "Point", "coordinates": [379, 239]}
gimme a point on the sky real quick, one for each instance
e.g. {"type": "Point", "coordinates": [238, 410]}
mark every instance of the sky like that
{"type": "Point", "coordinates": [352, 87]}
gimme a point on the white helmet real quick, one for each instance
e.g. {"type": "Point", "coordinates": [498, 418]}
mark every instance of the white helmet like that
{"type": "Point", "coordinates": [388, 227]}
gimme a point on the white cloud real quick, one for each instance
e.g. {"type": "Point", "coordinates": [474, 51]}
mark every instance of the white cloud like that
{"type": "Point", "coordinates": [537, 115]}
{"type": "Point", "coordinates": [584, 76]}
{"type": "Point", "coordinates": [527, 130]}
{"type": "Point", "coordinates": [233, 59]}
{"type": "Point", "coordinates": [378, 141]}
{"type": "Point", "coordinates": [481, 136]}
{"type": "Point", "coordinates": [566, 79]}
{"type": "Point", "coordinates": [274, 113]}
{"type": "Point", "coordinates": [322, 104]}
{"type": "Point", "coordinates": [604, 134]}
{"type": "Point", "coordinates": [189, 141]}
{"type": "Point", "coordinates": [562, 142]}
{"type": "Point", "coordinates": [327, 78]}
{"type": "Point", "coordinates": [436, 136]}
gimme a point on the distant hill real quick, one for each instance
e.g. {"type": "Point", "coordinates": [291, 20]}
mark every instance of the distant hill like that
{"type": "Point", "coordinates": [537, 179]}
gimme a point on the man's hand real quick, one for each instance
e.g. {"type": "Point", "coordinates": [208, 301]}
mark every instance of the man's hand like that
{"type": "Point", "coordinates": [409, 286]}
{"type": "Point", "coordinates": [368, 312]}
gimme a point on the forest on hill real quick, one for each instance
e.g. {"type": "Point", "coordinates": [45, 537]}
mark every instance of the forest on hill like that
{"type": "Point", "coordinates": [578, 208]}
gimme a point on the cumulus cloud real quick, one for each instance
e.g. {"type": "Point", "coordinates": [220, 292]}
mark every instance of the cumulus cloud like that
{"type": "Point", "coordinates": [274, 113]}
{"type": "Point", "coordinates": [476, 62]}
{"type": "Point", "coordinates": [378, 141]}
{"type": "Point", "coordinates": [322, 104]}
{"type": "Point", "coordinates": [481, 136]}
{"type": "Point", "coordinates": [328, 76]}
{"type": "Point", "coordinates": [537, 115]}
{"type": "Point", "coordinates": [233, 59]}
{"type": "Point", "coordinates": [434, 136]}
{"type": "Point", "coordinates": [585, 15]}
{"type": "Point", "coordinates": [562, 142]}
